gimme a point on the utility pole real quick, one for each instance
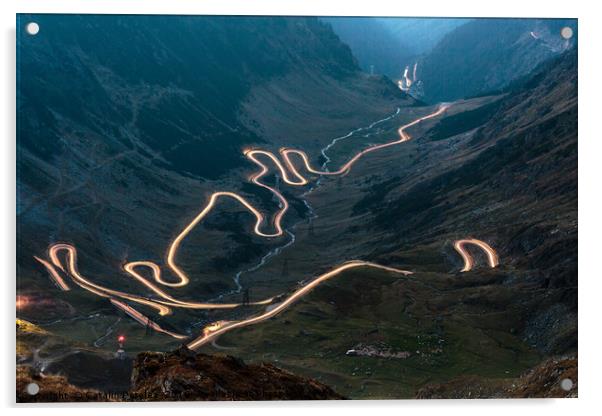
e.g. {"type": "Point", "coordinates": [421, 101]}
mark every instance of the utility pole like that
{"type": "Point", "coordinates": [148, 329]}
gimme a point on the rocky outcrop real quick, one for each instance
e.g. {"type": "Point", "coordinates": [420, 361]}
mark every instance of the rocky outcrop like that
{"type": "Point", "coordinates": [553, 378]}
{"type": "Point", "coordinates": [184, 375]}
{"type": "Point", "coordinates": [34, 388]}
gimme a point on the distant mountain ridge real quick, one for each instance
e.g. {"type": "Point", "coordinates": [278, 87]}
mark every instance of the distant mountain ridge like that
{"type": "Point", "coordinates": [373, 44]}
{"type": "Point", "coordinates": [386, 45]}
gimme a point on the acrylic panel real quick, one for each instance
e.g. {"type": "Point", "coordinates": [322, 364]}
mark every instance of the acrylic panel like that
{"type": "Point", "coordinates": [295, 208]}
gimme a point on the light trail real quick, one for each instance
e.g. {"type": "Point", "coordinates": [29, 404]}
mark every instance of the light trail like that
{"type": "Point", "coordinates": [218, 330]}
{"type": "Point", "coordinates": [160, 305]}
{"type": "Point", "coordinates": [407, 79]}
{"type": "Point", "coordinates": [144, 320]}
{"type": "Point", "coordinates": [213, 327]}
{"type": "Point", "coordinates": [404, 83]}
{"type": "Point", "coordinates": [84, 283]}
{"type": "Point", "coordinates": [164, 302]}
{"type": "Point", "coordinates": [492, 257]}
{"type": "Point", "coordinates": [259, 218]}
{"type": "Point", "coordinates": [171, 301]}
{"type": "Point", "coordinates": [56, 277]}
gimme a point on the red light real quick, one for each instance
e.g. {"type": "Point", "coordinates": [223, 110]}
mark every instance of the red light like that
{"type": "Point", "coordinates": [120, 338]}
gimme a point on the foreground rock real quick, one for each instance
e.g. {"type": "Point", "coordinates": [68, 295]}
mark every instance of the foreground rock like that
{"type": "Point", "coordinates": [542, 381]}
{"type": "Point", "coordinates": [178, 376]}
{"type": "Point", "coordinates": [33, 388]}
{"type": "Point", "coordinates": [68, 374]}
{"type": "Point", "coordinates": [184, 375]}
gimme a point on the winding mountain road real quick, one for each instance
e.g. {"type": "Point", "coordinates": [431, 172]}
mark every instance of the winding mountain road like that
{"type": "Point", "coordinates": [62, 257]}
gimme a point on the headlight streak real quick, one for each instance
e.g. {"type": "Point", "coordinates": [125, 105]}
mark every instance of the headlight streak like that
{"type": "Point", "coordinates": [492, 257]}
{"type": "Point", "coordinates": [213, 334]}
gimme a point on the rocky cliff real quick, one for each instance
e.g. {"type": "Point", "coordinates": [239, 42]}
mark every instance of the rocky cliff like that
{"type": "Point", "coordinates": [184, 375]}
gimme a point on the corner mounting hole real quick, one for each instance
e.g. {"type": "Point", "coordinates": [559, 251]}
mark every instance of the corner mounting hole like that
{"type": "Point", "coordinates": [566, 32]}
{"type": "Point", "coordinates": [566, 384]}
{"type": "Point", "coordinates": [32, 389]}
{"type": "Point", "coordinates": [32, 28]}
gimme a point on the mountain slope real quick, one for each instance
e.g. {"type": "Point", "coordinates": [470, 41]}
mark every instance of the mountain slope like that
{"type": "Point", "coordinates": [541, 381]}
{"type": "Point", "coordinates": [173, 89]}
{"type": "Point", "coordinates": [487, 54]}
{"type": "Point", "coordinates": [517, 185]}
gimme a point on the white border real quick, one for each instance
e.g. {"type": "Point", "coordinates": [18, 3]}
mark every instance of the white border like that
{"type": "Point", "coordinates": [590, 178]}
{"type": "Point", "coordinates": [309, 7]}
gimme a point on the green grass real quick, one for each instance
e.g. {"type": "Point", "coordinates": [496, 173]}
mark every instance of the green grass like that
{"type": "Point", "coordinates": [370, 306]}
